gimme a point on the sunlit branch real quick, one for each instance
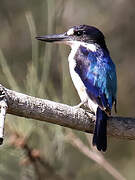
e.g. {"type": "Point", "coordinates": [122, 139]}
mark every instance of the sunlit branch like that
{"type": "Point", "coordinates": [76, 118]}
{"type": "Point", "coordinates": [3, 109]}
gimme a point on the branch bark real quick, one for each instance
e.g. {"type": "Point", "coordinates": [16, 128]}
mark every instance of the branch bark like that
{"type": "Point", "coordinates": [76, 118]}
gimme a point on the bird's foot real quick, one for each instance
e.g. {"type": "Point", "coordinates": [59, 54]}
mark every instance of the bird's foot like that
{"type": "Point", "coordinates": [91, 115]}
{"type": "Point", "coordinates": [81, 104]}
{"type": "Point", "coordinates": [88, 111]}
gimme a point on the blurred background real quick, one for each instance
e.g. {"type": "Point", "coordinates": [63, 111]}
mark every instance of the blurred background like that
{"type": "Point", "coordinates": [37, 150]}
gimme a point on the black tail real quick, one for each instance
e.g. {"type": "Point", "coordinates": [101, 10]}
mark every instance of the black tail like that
{"type": "Point", "coordinates": [100, 137]}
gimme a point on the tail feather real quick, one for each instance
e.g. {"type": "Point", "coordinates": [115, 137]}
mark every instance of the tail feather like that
{"type": "Point", "coordinates": [100, 132]}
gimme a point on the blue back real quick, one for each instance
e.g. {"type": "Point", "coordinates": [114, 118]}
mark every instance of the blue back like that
{"type": "Point", "coordinates": [97, 71]}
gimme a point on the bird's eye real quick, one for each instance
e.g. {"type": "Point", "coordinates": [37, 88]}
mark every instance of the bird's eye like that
{"type": "Point", "coordinates": [78, 33]}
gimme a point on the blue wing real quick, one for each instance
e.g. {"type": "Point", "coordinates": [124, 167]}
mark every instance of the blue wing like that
{"type": "Point", "coordinates": [97, 71]}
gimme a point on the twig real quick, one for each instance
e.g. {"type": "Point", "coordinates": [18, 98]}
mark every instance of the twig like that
{"type": "Point", "coordinates": [41, 166]}
{"type": "Point", "coordinates": [50, 169]}
{"type": "Point", "coordinates": [94, 155]}
{"type": "Point", "coordinates": [37, 162]}
{"type": "Point", "coordinates": [33, 161]}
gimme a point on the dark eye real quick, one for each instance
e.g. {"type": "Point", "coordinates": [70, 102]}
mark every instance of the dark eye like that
{"type": "Point", "coordinates": [78, 33]}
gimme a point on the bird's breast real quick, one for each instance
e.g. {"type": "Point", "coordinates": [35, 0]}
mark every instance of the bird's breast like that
{"type": "Point", "coordinates": [80, 87]}
{"type": "Point", "coordinates": [76, 78]}
{"type": "Point", "coordinates": [78, 83]}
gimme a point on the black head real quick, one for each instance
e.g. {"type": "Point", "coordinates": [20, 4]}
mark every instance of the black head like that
{"type": "Point", "coordinates": [81, 33]}
{"type": "Point", "coordinates": [86, 34]}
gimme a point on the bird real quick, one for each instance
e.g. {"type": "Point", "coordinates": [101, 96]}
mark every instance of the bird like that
{"type": "Point", "coordinates": [93, 74]}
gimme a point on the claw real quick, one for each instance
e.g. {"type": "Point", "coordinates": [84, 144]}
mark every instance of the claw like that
{"type": "Point", "coordinates": [81, 104]}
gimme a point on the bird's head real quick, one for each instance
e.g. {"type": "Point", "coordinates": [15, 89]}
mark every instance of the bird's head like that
{"type": "Point", "coordinates": [81, 33]}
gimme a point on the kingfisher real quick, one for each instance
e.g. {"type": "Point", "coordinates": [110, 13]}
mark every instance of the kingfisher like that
{"type": "Point", "coordinates": [93, 74]}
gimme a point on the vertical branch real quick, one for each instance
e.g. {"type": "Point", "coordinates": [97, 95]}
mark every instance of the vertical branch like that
{"type": "Point", "coordinates": [3, 105]}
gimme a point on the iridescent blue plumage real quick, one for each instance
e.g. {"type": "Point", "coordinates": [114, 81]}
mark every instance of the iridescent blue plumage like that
{"type": "Point", "coordinates": [97, 71]}
{"type": "Point", "coordinates": [98, 74]}
{"type": "Point", "coordinates": [93, 74]}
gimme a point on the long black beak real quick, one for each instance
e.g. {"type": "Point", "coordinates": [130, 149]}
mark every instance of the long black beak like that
{"type": "Point", "coordinates": [54, 38]}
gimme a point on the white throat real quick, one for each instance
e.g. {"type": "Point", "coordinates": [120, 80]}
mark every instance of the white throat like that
{"type": "Point", "coordinates": [76, 44]}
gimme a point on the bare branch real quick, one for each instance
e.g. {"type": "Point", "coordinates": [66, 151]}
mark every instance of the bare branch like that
{"type": "Point", "coordinates": [3, 110]}
{"type": "Point", "coordinates": [76, 118]}
{"type": "Point", "coordinates": [94, 155]}
{"type": "Point", "coordinates": [3, 106]}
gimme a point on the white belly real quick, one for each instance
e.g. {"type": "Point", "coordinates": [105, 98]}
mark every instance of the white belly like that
{"type": "Point", "coordinates": [79, 84]}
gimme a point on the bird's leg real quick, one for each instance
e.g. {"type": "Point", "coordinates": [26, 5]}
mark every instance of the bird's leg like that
{"type": "Point", "coordinates": [82, 103]}
{"type": "Point", "coordinates": [88, 110]}
{"type": "Point", "coordinates": [90, 114]}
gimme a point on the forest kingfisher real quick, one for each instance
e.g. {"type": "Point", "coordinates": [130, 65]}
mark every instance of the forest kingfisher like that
{"type": "Point", "coordinates": [93, 74]}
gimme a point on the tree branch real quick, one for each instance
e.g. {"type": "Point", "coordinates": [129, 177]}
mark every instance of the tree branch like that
{"type": "Point", "coordinates": [94, 155]}
{"type": "Point", "coordinates": [44, 110]}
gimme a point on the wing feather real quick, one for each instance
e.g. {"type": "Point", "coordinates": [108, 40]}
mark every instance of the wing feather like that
{"type": "Point", "coordinates": [98, 75]}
